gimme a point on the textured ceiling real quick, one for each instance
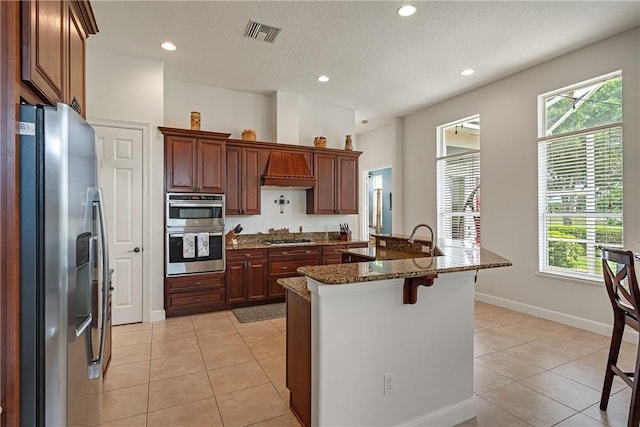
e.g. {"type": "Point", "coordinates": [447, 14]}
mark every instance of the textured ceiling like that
{"type": "Point", "coordinates": [381, 65]}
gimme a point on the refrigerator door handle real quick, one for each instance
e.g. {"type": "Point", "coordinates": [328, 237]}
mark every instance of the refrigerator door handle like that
{"type": "Point", "coordinates": [95, 367]}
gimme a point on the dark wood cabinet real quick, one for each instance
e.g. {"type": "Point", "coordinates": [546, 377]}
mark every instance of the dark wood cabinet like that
{"type": "Point", "coordinates": [246, 273]}
{"type": "Point", "coordinates": [322, 199]}
{"type": "Point", "coordinates": [53, 51]}
{"type": "Point", "coordinates": [210, 168]}
{"type": "Point", "coordinates": [298, 370]}
{"type": "Point", "coordinates": [336, 191]}
{"type": "Point", "coordinates": [245, 166]}
{"type": "Point", "coordinates": [332, 254]}
{"type": "Point", "coordinates": [75, 95]}
{"type": "Point", "coordinates": [349, 258]}
{"type": "Point", "coordinates": [194, 161]}
{"type": "Point", "coordinates": [194, 293]}
{"type": "Point", "coordinates": [284, 262]}
{"type": "Point", "coordinates": [43, 48]}
{"type": "Point", "coordinates": [347, 185]}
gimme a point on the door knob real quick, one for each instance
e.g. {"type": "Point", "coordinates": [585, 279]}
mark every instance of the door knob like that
{"type": "Point", "coordinates": [136, 250]}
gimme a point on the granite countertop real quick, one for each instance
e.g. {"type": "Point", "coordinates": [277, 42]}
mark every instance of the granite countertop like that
{"type": "Point", "coordinates": [297, 285]}
{"type": "Point", "coordinates": [383, 254]}
{"type": "Point", "coordinates": [262, 245]}
{"type": "Point", "coordinates": [455, 259]}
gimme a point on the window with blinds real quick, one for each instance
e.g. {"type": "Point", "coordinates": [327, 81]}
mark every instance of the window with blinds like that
{"type": "Point", "coordinates": [458, 186]}
{"type": "Point", "coordinates": [580, 177]}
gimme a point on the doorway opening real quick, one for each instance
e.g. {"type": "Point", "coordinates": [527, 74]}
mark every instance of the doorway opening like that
{"type": "Point", "coordinates": [379, 201]}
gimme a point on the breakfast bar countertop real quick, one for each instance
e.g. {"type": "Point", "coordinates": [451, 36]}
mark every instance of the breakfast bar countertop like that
{"type": "Point", "coordinates": [297, 285]}
{"type": "Point", "coordinates": [383, 254]}
{"type": "Point", "coordinates": [455, 259]}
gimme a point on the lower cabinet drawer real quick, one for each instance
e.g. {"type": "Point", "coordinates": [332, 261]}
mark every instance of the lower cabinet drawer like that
{"type": "Point", "coordinates": [336, 259]}
{"type": "Point", "coordinates": [194, 282]}
{"type": "Point", "coordinates": [286, 267]}
{"type": "Point", "coordinates": [333, 250]}
{"type": "Point", "coordinates": [195, 299]}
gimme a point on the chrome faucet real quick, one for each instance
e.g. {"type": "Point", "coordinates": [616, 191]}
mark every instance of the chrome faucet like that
{"type": "Point", "coordinates": [432, 249]}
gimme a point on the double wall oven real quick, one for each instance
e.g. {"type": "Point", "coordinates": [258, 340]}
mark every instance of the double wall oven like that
{"type": "Point", "coordinates": [194, 238]}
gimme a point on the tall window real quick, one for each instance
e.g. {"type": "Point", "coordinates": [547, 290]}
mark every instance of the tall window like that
{"type": "Point", "coordinates": [458, 166]}
{"type": "Point", "coordinates": [580, 176]}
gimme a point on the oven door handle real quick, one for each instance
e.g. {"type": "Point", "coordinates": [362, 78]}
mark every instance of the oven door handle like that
{"type": "Point", "coordinates": [195, 205]}
{"type": "Point", "coordinates": [215, 233]}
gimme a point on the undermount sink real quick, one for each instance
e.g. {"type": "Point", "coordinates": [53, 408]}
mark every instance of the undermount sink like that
{"type": "Point", "coordinates": [287, 241]}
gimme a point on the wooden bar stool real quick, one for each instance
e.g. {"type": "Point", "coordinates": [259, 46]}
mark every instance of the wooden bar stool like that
{"type": "Point", "coordinates": [622, 287]}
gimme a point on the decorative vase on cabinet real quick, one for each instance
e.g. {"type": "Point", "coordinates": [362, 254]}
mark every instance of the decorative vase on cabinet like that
{"type": "Point", "coordinates": [348, 144]}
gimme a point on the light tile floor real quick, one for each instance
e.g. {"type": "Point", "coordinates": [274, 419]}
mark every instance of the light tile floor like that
{"type": "Point", "coordinates": [211, 370]}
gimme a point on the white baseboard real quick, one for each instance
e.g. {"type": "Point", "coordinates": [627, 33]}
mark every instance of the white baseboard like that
{"type": "Point", "coordinates": [157, 316]}
{"type": "Point", "coordinates": [447, 416]}
{"type": "Point", "coordinates": [556, 316]}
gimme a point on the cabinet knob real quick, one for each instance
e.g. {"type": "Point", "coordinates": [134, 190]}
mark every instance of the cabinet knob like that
{"type": "Point", "coordinates": [285, 253]}
{"type": "Point", "coordinates": [196, 283]}
{"type": "Point", "coordinates": [284, 268]}
{"type": "Point", "coordinates": [247, 255]}
{"type": "Point", "coordinates": [307, 252]}
{"type": "Point", "coordinates": [196, 299]}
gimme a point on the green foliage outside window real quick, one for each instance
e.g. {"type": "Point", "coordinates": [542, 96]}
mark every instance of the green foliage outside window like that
{"type": "Point", "coordinates": [583, 175]}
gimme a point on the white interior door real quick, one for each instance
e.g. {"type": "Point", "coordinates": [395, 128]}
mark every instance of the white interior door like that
{"type": "Point", "coordinates": [121, 179]}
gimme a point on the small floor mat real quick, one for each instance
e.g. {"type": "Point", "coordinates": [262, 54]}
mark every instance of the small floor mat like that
{"type": "Point", "coordinates": [260, 312]}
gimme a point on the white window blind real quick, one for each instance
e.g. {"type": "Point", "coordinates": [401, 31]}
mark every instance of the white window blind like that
{"type": "Point", "coordinates": [580, 199]}
{"type": "Point", "coordinates": [459, 197]}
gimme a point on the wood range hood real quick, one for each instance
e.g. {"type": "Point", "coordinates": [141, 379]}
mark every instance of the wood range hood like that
{"type": "Point", "coordinates": [288, 170]}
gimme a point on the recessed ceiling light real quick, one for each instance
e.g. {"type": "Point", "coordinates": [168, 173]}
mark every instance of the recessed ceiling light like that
{"type": "Point", "coordinates": [467, 72]}
{"type": "Point", "coordinates": [168, 46]}
{"type": "Point", "coordinates": [323, 79]}
{"type": "Point", "coordinates": [407, 10]}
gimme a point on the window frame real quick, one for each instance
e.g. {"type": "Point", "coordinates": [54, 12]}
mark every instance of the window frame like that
{"type": "Point", "coordinates": [441, 158]}
{"type": "Point", "coordinates": [590, 241]}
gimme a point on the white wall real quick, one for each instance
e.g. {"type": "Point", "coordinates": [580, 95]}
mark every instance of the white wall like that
{"type": "Point", "coordinates": [222, 110]}
{"type": "Point", "coordinates": [127, 88]}
{"type": "Point", "coordinates": [377, 153]}
{"type": "Point", "coordinates": [381, 148]}
{"type": "Point", "coordinates": [508, 112]}
{"type": "Point", "coordinates": [377, 147]}
{"type": "Point", "coordinates": [330, 121]}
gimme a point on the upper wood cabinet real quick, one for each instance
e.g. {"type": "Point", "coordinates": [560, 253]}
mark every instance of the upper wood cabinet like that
{"type": "Point", "coordinates": [53, 51]}
{"type": "Point", "coordinates": [336, 191]}
{"type": "Point", "coordinates": [75, 95]}
{"type": "Point", "coordinates": [347, 185]}
{"type": "Point", "coordinates": [245, 167]}
{"type": "Point", "coordinates": [194, 160]}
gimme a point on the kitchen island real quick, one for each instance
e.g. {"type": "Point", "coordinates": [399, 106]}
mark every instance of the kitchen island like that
{"type": "Point", "coordinates": [385, 342]}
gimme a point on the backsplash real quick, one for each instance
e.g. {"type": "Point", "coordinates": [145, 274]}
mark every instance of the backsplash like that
{"type": "Point", "coordinates": [294, 215]}
{"type": "Point", "coordinates": [285, 233]}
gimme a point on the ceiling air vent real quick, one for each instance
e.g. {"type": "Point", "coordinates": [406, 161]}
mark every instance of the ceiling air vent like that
{"type": "Point", "coordinates": [258, 31]}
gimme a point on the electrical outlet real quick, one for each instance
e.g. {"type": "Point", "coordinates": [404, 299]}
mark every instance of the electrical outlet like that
{"type": "Point", "coordinates": [387, 383]}
{"type": "Point", "coordinates": [383, 243]}
{"type": "Point", "coordinates": [426, 249]}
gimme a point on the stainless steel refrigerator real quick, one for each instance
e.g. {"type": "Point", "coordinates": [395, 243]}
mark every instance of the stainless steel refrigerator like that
{"type": "Point", "coordinates": [64, 272]}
